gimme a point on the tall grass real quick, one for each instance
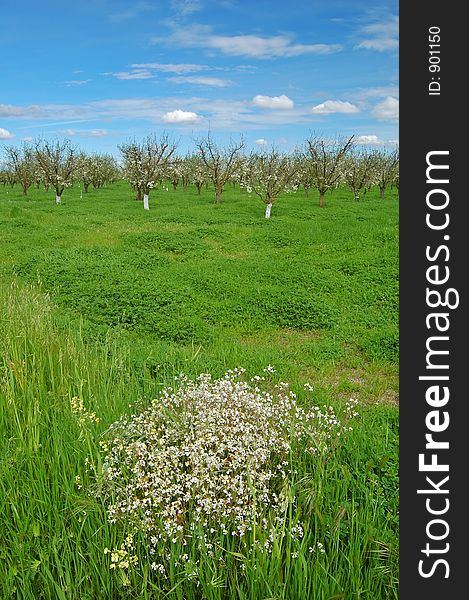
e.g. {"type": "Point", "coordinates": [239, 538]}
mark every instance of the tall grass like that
{"type": "Point", "coordinates": [53, 532]}
{"type": "Point", "coordinates": [137, 298]}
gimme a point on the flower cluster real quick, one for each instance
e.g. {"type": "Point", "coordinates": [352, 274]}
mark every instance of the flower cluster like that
{"type": "Point", "coordinates": [84, 417]}
{"type": "Point", "coordinates": [211, 454]}
{"type": "Point", "coordinates": [318, 546]}
{"type": "Point", "coordinates": [121, 558]}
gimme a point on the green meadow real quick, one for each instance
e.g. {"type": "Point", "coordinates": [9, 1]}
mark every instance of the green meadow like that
{"type": "Point", "coordinates": [106, 302]}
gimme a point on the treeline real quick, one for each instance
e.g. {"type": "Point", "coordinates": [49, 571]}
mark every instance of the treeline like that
{"type": "Point", "coordinates": [320, 164]}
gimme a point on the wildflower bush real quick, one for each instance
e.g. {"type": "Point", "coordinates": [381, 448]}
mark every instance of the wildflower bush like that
{"type": "Point", "coordinates": [212, 455]}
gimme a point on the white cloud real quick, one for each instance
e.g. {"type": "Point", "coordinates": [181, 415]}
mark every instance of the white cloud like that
{"type": "Point", "coordinates": [381, 36]}
{"type": "Point", "coordinates": [171, 68]}
{"type": "Point", "coordinates": [245, 68]}
{"type": "Point", "coordinates": [94, 133]}
{"type": "Point", "coordinates": [254, 46]}
{"type": "Point", "coordinates": [28, 139]}
{"type": "Point", "coordinates": [196, 80]}
{"type": "Point", "coordinates": [263, 47]}
{"type": "Point", "coordinates": [76, 82]}
{"type": "Point", "coordinates": [137, 74]}
{"type": "Point", "coordinates": [5, 134]}
{"type": "Point", "coordinates": [180, 116]}
{"type": "Point", "coordinates": [276, 102]}
{"type": "Point", "coordinates": [387, 110]}
{"type": "Point", "coordinates": [224, 114]}
{"type": "Point", "coordinates": [86, 132]}
{"type": "Point", "coordinates": [29, 112]}
{"type": "Point", "coordinates": [262, 142]}
{"type": "Point", "coordinates": [371, 140]}
{"type": "Point", "coordinates": [334, 106]}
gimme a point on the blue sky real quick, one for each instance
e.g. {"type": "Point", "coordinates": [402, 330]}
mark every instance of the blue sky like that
{"type": "Point", "coordinates": [101, 72]}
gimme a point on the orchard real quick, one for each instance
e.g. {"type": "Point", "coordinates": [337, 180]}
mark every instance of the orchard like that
{"type": "Point", "coordinates": [154, 164]}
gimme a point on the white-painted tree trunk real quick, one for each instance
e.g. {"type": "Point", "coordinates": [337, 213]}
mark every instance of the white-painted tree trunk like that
{"type": "Point", "coordinates": [268, 208]}
{"type": "Point", "coordinates": [57, 199]}
{"type": "Point", "coordinates": [145, 202]}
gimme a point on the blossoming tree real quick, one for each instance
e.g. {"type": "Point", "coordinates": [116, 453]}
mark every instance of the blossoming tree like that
{"type": "Point", "coordinates": [325, 161]}
{"type": "Point", "coordinates": [270, 174]}
{"type": "Point", "coordinates": [146, 164]}
{"type": "Point", "coordinates": [21, 162]}
{"type": "Point", "coordinates": [58, 163]}
{"type": "Point", "coordinates": [387, 169]}
{"type": "Point", "coordinates": [220, 163]}
{"type": "Point", "coordinates": [359, 172]}
{"type": "Point", "coordinates": [198, 173]}
{"type": "Point", "coordinates": [7, 175]}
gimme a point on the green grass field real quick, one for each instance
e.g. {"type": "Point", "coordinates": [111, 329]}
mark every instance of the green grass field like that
{"type": "Point", "coordinates": [105, 301]}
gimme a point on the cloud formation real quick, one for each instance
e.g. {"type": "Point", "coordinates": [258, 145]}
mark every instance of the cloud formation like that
{"type": "Point", "coordinates": [387, 110]}
{"type": "Point", "coordinates": [179, 69]}
{"type": "Point", "coordinates": [89, 133]}
{"type": "Point", "coordinates": [369, 140]}
{"type": "Point", "coordinates": [200, 80]}
{"type": "Point", "coordinates": [29, 112]}
{"type": "Point", "coordinates": [334, 106]}
{"type": "Point", "coordinates": [76, 82]}
{"type": "Point", "coordinates": [180, 116]}
{"type": "Point", "coordinates": [136, 74]}
{"type": "Point", "coordinates": [273, 102]}
{"type": "Point", "coordinates": [253, 46]}
{"type": "Point", "coordinates": [5, 134]}
{"type": "Point", "coordinates": [382, 36]}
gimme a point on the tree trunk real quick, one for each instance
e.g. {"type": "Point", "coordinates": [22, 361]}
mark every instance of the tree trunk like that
{"type": "Point", "coordinates": [57, 199]}
{"type": "Point", "coordinates": [218, 193]}
{"type": "Point", "coordinates": [268, 208]}
{"type": "Point", "coordinates": [198, 186]}
{"type": "Point", "coordinates": [321, 199]}
{"type": "Point", "coordinates": [357, 196]}
{"type": "Point", "coordinates": [381, 192]}
{"type": "Point", "coordinates": [145, 202]}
